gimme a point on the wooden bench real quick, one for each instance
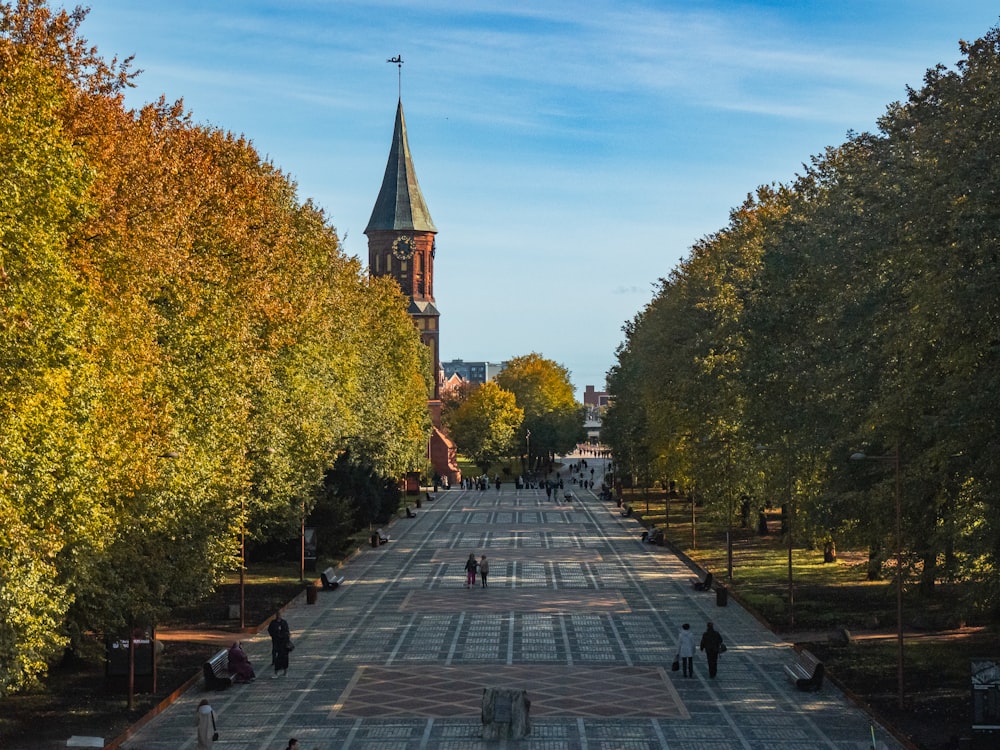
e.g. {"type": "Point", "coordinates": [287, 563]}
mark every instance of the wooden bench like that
{"type": "Point", "coordinates": [330, 578]}
{"type": "Point", "coordinates": [217, 676]}
{"type": "Point", "coordinates": [706, 585]}
{"type": "Point", "coordinates": [383, 537]}
{"type": "Point", "coordinates": [626, 511]}
{"type": "Point", "coordinates": [430, 497]}
{"type": "Point", "coordinates": [806, 673]}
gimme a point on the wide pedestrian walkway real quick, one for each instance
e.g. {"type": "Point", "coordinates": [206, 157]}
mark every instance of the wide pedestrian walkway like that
{"type": "Point", "coordinates": [578, 612]}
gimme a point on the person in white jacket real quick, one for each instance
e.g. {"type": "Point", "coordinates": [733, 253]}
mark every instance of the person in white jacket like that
{"type": "Point", "coordinates": [685, 650]}
{"type": "Point", "coordinates": [206, 726]}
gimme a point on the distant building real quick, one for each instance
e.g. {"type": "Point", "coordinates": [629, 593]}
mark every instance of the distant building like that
{"type": "Point", "coordinates": [595, 398]}
{"type": "Point", "coordinates": [472, 372]}
{"type": "Point", "coordinates": [595, 403]}
{"type": "Point", "coordinates": [402, 245]}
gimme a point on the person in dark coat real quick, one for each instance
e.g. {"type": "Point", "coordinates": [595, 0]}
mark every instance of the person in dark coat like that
{"type": "Point", "coordinates": [711, 644]}
{"type": "Point", "coordinates": [239, 664]}
{"type": "Point", "coordinates": [281, 639]}
{"type": "Point", "coordinates": [470, 570]}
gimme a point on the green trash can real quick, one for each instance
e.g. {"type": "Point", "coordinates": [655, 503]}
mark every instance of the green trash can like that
{"type": "Point", "coordinates": [721, 596]}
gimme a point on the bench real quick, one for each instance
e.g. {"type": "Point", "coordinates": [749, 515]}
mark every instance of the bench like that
{"type": "Point", "coordinates": [627, 511]}
{"type": "Point", "coordinates": [706, 585]}
{"type": "Point", "coordinates": [410, 513]}
{"type": "Point", "coordinates": [217, 676]}
{"type": "Point", "coordinates": [430, 497]}
{"type": "Point", "coordinates": [330, 578]}
{"type": "Point", "coordinates": [806, 673]}
{"type": "Point", "coordinates": [653, 536]}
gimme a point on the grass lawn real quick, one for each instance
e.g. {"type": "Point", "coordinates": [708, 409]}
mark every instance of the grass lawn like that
{"type": "Point", "coordinates": [835, 595]}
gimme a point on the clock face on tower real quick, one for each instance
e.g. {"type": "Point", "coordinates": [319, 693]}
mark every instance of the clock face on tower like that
{"type": "Point", "coordinates": [402, 247]}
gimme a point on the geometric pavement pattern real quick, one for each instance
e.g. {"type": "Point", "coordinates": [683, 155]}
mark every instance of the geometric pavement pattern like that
{"type": "Point", "coordinates": [578, 612]}
{"type": "Point", "coordinates": [506, 600]}
{"type": "Point", "coordinates": [447, 692]}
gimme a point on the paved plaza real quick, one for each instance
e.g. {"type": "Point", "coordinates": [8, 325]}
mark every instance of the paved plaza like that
{"type": "Point", "coordinates": [578, 612]}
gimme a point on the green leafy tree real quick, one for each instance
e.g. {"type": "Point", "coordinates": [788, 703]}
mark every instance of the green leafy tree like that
{"type": "Point", "coordinates": [543, 390]}
{"type": "Point", "coordinates": [43, 456]}
{"type": "Point", "coordinates": [485, 425]}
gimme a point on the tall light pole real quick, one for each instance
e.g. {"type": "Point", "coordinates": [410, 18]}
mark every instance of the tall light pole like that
{"type": "Point", "coordinates": [894, 459]}
{"type": "Point", "coordinates": [243, 561]}
{"type": "Point", "coordinates": [527, 445]}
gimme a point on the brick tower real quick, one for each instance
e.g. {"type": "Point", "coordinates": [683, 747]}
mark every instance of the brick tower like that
{"type": "Point", "coordinates": [401, 244]}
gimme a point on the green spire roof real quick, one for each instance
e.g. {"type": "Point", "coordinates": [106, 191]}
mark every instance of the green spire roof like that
{"type": "Point", "coordinates": [400, 204]}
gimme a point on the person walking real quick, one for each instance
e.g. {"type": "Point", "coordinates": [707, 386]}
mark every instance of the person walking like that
{"type": "Point", "coordinates": [685, 650]}
{"type": "Point", "coordinates": [484, 569]}
{"type": "Point", "coordinates": [281, 644]}
{"type": "Point", "coordinates": [470, 570]}
{"type": "Point", "coordinates": [205, 720]}
{"type": "Point", "coordinates": [293, 744]}
{"type": "Point", "coordinates": [711, 644]}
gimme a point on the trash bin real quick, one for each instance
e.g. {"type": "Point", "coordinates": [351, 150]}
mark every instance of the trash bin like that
{"type": "Point", "coordinates": [311, 594]}
{"type": "Point", "coordinates": [721, 596]}
{"type": "Point", "coordinates": [374, 539]}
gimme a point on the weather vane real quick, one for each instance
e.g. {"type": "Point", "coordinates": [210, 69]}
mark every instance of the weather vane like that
{"type": "Point", "coordinates": [398, 59]}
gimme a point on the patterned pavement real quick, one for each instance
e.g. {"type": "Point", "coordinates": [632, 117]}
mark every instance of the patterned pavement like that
{"type": "Point", "coordinates": [578, 612]}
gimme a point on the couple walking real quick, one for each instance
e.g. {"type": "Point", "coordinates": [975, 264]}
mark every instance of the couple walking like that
{"type": "Point", "coordinates": [711, 644]}
{"type": "Point", "coordinates": [471, 567]}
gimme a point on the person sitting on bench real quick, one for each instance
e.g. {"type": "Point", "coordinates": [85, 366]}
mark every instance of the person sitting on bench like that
{"type": "Point", "coordinates": [239, 664]}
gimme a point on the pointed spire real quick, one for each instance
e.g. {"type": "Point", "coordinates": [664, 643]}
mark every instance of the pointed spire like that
{"type": "Point", "coordinates": [400, 204]}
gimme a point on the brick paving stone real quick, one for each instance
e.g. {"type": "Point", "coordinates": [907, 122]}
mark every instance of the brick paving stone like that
{"type": "Point", "coordinates": [578, 612]}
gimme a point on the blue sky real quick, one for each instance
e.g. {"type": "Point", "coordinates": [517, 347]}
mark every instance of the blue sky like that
{"type": "Point", "coordinates": [570, 153]}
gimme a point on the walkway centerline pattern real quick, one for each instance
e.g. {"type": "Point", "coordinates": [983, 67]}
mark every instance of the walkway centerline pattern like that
{"type": "Point", "coordinates": [578, 612]}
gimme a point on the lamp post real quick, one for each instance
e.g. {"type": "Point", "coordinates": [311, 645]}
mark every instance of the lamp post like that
{"type": "Point", "coordinates": [694, 534]}
{"type": "Point", "coordinates": [527, 446]}
{"type": "Point", "coordinates": [894, 459]}
{"type": "Point", "coordinates": [243, 561]}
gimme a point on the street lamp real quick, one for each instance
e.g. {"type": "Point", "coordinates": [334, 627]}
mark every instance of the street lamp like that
{"type": "Point", "coordinates": [894, 459]}
{"type": "Point", "coordinates": [243, 560]}
{"type": "Point", "coordinates": [527, 444]}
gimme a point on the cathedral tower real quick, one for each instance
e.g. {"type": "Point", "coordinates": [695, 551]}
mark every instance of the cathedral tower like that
{"type": "Point", "coordinates": [401, 244]}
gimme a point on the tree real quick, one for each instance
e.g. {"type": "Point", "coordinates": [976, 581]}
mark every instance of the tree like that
{"type": "Point", "coordinates": [484, 426]}
{"type": "Point", "coordinates": [185, 350]}
{"type": "Point", "coordinates": [543, 390]}
{"type": "Point", "coordinates": [44, 463]}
